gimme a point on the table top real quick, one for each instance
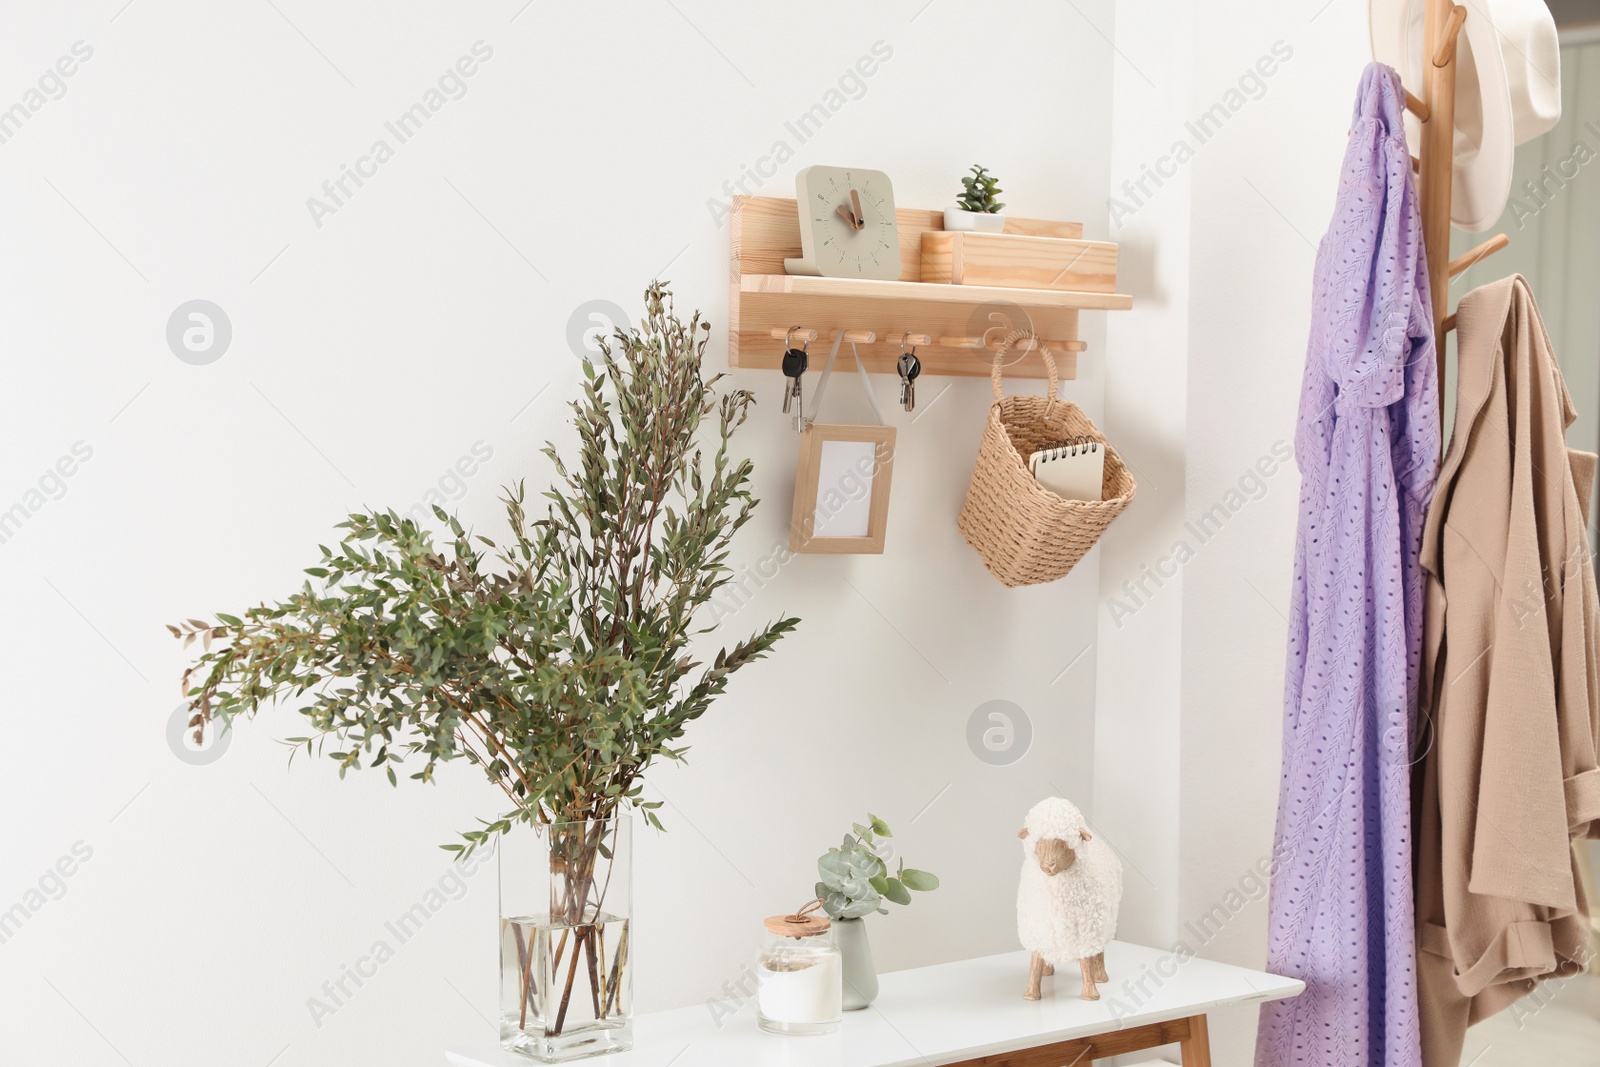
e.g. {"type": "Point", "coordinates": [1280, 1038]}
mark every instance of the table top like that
{"type": "Point", "coordinates": [939, 1015]}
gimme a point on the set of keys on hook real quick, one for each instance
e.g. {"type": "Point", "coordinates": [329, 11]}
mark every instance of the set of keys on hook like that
{"type": "Point", "coordinates": [796, 361]}
{"type": "Point", "coordinates": [908, 366]}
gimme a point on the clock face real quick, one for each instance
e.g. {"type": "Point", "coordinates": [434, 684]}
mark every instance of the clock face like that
{"type": "Point", "coordinates": [847, 224]}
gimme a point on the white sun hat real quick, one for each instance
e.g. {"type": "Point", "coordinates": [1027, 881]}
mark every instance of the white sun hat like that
{"type": "Point", "coordinates": [1508, 90]}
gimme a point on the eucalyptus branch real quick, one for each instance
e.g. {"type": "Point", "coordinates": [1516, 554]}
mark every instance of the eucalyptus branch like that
{"type": "Point", "coordinates": [560, 661]}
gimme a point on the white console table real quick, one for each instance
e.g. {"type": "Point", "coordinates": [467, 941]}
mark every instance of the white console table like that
{"type": "Point", "coordinates": [966, 1014]}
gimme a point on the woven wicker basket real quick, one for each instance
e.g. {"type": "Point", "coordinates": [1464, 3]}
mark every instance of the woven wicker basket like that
{"type": "Point", "coordinates": [1025, 533]}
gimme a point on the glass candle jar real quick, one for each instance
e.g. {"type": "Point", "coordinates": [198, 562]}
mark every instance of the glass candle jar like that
{"type": "Point", "coordinates": [799, 979]}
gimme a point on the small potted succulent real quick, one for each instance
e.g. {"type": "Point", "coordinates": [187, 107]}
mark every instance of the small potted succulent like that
{"type": "Point", "coordinates": [977, 208]}
{"type": "Point", "coordinates": [855, 880]}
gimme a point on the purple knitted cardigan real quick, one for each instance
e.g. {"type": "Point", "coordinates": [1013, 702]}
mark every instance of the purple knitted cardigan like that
{"type": "Point", "coordinates": [1367, 447]}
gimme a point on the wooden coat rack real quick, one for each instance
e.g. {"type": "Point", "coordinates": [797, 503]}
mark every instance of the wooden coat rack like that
{"type": "Point", "coordinates": [1436, 111]}
{"type": "Point", "coordinates": [1437, 116]}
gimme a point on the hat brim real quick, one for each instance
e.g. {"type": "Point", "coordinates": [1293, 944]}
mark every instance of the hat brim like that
{"type": "Point", "coordinates": [1482, 170]}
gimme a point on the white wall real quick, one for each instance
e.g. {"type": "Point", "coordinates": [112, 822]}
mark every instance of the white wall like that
{"type": "Point", "coordinates": [1263, 187]}
{"type": "Point", "coordinates": [1218, 217]}
{"type": "Point", "coordinates": [1138, 694]}
{"type": "Point", "coordinates": [423, 321]}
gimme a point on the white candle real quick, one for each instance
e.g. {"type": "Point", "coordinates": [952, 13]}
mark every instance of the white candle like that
{"type": "Point", "coordinates": [800, 988]}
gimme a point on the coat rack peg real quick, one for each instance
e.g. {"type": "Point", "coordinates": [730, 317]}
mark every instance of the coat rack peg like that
{"type": "Point", "coordinates": [857, 337]}
{"type": "Point", "coordinates": [1416, 107]}
{"type": "Point", "coordinates": [1468, 258]}
{"type": "Point", "coordinates": [1026, 344]}
{"type": "Point", "coordinates": [795, 333]}
{"type": "Point", "coordinates": [917, 339]}
{"type": "Point", "coordinates": [1447, 325]}
{"type": "Point", "coordinates": [1447, 41]}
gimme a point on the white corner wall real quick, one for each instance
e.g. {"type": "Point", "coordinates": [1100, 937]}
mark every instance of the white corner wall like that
{"type": "Point", "coordinates": [1262, 203]}
{"type": "Point", "coordinates": [1262, 112]}
{"type": "Point", "coordinates": [1138, 697]}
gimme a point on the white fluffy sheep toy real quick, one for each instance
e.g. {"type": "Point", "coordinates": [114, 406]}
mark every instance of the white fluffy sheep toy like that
{"type": "Point", "coordinates": [1067, 902]}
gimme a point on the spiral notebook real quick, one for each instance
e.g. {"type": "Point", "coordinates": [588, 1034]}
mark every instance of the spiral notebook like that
{"type": "Point", "coordinates": [1074, 469]}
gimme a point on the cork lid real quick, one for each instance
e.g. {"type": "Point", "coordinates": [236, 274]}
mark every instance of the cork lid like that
{"type": "Point", "coordinates": [803, 923]}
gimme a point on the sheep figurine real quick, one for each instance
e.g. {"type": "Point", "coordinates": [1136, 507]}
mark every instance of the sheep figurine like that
{"type": "Point", "coordinates": [1067, 902]}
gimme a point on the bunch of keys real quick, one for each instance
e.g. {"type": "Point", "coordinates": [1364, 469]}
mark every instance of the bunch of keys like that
{"type": "Point", "coordinates": [909, 367]}
{"type": "Point", "coordinates": [795, 362]}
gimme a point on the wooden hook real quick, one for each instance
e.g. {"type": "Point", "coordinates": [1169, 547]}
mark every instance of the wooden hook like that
{"type": "Point", "coordinates": [1446, 326]}
{"type": "Point", "coordinates": [860, 337]}
{"type": "Point", "coordinates": [1026, 344]}
{"type": "Point", "coordinates": [1417, 107]}
{"type": "Point", "coordinates": [1468, 258]}
{"type": "Point", "coordinates": [1447, 44]}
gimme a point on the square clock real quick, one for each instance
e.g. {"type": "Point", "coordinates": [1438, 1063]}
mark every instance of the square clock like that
{"type": "Point", "coordinates": [847, 225]}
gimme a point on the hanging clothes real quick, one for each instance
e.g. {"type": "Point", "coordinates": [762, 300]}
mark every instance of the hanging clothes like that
{"type": "Point", "coordinates": [1512, 682]}
{"type": "Point", "coordinates": [1367, 447]}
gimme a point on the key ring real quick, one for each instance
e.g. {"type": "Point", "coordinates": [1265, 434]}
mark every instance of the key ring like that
{"type": "Point", "coordinates": [909, 367]}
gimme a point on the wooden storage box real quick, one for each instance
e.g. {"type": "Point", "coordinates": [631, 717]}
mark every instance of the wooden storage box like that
{"type": "Point", "coordinates": [1018, 261]}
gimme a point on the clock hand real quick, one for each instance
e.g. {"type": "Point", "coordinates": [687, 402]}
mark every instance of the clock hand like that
{"type": "Point", "coordinates": [855, 208]}
{"type": "Point", "coordinates": [844, 213]}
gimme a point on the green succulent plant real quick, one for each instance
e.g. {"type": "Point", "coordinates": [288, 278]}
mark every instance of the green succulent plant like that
{"type": "Point", "coordinates": [855, 876]}
{"type": "Point", "coordinates": [978, 192]}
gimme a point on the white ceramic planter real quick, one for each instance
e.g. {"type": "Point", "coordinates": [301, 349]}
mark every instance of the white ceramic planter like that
{"type": "Point", "coordinates": [973, 221]}
{"type": "Point", "coordinates": [855, 952]}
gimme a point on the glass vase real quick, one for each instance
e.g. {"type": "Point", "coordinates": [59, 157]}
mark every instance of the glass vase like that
{"type": "Point", "coordinates": [566, 969]}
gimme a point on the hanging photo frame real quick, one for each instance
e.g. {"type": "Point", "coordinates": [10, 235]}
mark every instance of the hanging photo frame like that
{"type": "Point", "coordinates": [841, 489]}
{"type": "Point", "coordinates": [841, 485]}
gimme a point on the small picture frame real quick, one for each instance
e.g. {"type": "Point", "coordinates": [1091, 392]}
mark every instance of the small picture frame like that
{"type": "Point", "coordinates": [841, 488]}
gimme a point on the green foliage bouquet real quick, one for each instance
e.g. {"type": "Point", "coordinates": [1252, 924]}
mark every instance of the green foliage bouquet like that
{"type": "Point", "coordinates": [559, 659]}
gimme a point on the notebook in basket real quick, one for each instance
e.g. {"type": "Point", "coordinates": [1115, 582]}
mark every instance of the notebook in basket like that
{"type": "Point", "coordinates": [1074, 469]}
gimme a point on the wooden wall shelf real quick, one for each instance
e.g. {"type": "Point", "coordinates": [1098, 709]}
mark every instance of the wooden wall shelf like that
{"type": "Point", "coordinates": [975, 295]}
{"type": "Point", "coordinates": [766, 230]}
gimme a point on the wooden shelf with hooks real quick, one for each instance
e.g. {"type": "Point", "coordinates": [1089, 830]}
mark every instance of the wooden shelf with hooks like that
{"type": "Point", "coordinates": [764, 301]}
{"type": "Point", "coordinates": [868, 289]}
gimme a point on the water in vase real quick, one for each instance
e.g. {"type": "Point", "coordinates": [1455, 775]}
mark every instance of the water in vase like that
{"type": "Point", "coordinates": [566, 990]}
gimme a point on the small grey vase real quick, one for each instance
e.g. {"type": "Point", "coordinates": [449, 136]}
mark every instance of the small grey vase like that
{"type": "Point", "coordinates": [855, 956]}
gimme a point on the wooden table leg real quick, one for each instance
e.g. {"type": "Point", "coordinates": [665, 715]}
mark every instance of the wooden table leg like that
{"type": "Point", "coordinates": [1196, 1047]}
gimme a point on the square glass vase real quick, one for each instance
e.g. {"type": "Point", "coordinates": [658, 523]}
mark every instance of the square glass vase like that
{"type": "Point", "coordinates": [566, 966]}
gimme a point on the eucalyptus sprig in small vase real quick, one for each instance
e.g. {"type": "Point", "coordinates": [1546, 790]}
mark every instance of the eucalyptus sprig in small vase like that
{"type": "Point", "coordinates": [855, 881]}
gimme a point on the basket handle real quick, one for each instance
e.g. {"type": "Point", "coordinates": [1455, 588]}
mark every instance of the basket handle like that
{"type": "Point", "coordinates": [999, 361]}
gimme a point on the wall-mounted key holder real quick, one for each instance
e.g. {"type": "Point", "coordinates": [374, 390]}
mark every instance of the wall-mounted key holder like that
{"type": "Point", "coordinates": [765, 301]}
